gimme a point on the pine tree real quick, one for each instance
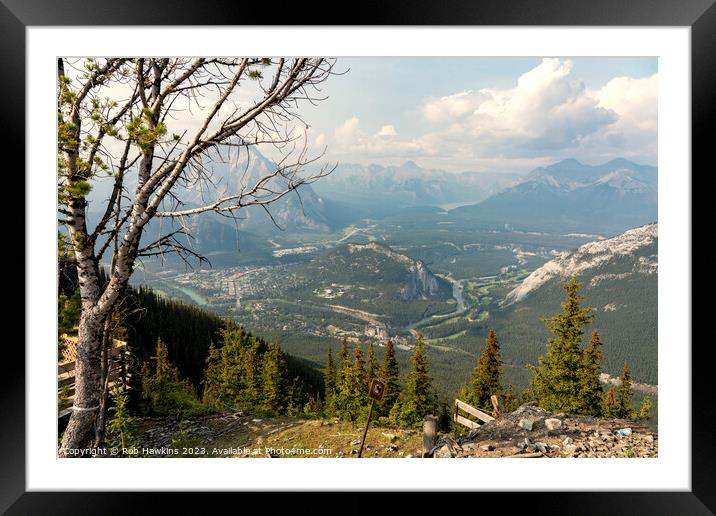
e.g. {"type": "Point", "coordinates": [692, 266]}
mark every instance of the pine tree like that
{"type": "Point", "coordinates": [359, 365]}
{"type": "Point", "coordinates": [508, 399]}
{"type": "Point", "coordinates": [250, 372]}
{"type": "Point", "coordinates": [590, 387]}
{"type": "Point", "coordinates": [624, 393]}
{"type": "Point", "coordinates": [212, 377]}
{"type": "Point", "coordinates": [389, 374]}
{"type": "Point", "coordinates": [164, 370]}
{"type": "Point", "coordinates": [273, 379]}
{"type": "Point", "coordinates": [371, 364]}
{"type": "Point", "coordinates": [645, 408]}
{"type": "Point", "coordinates": [164, 392]}
{"type": "Point", "coordinates": [343, 355]}
{"type": "Point", "coordinates": [329, 380]}
{"type": "Point", "coordinates": [121, 424]}
{"type": "Point", "coordinates": [418, 398]}
{"type": "Point", "coordinates": [610, 404]}
{"type": "Point", "coordinates": [445, 419]}
{"type": "Point", "coordinates": [486, 377]}
{"type": "Point", "coordinates": [352, 392]}
{"type": "Point", "coordinates": [556, 382]}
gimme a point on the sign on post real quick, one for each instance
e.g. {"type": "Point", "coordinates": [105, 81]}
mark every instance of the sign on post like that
{"type": "Point", "coordinates": [376, 389]}
{"type": "Point", "coordinates": [375, 392]}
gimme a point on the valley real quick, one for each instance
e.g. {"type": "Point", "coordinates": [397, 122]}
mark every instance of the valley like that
{"type": "Point", "coordinates": [374, 274]}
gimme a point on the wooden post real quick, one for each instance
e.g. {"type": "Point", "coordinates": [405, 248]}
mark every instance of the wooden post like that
{"type": "Point", "coordinates": [430, 433]}
{"type": "Point", "coordinates": [367, 423]}
{"type": "Point", "coordinates": [495, 406]}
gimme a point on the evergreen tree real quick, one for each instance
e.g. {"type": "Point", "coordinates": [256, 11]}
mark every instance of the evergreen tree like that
{"type": "Point", "coordinates": [343, 361]}
{"type": "Point", "coordinates": [359, 365]}
{"type": "Point", "coordinates": [273, 379]}
{"type": "Point", "coordinates": [445, 419]}
{"type": "Point", "coordinates": [610, 404]}
{"type": "Point", "coordinates": [591, 392]}
{"type": "Point", "coordinates": [389, 374]}
{"type": "Point", "coordinates": [371, 364]}
{"type": "Point", "coordinates": [486, 377]}
{"type": "Point", "coordinates": [120, 424]}
{"type": "Point", "coordinates": [251, 372]}
{"type": "Point", "coordinates": [418, 398]}
{"type": "Point", "coordinates": [329, 380]}
{"type": "Point", "coordinates": [624, 393]}
{"type": "Point", "coordinates": [164, 392]}
{"type": "Point", "coordinates": [352, 391]}
{"type": "Point", "coordinates": [212, 377]}
{"type": "Point", "coordinates": [508, 399]}
{"type": "Point", "coordinates": [645, 408]}
{"type": "Point", "coordinates": [294, 397]}
{"type": "Point", "coordinates": [556, 381]}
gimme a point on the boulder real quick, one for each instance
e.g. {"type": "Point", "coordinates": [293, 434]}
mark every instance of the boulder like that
{"type": "Point", "coordinates": [553, 424]}
{"type": "Point", "coordinates": [526, 424]}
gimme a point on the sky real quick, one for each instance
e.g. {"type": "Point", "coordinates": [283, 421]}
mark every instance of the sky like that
{"type": "Point", "coordinates": [488, 114]}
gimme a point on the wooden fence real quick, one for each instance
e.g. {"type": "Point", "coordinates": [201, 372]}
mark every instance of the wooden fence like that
{"type": "Point", "coordinates": [118, 374]}
{"type": "Point", "coordinates": [469, 409]}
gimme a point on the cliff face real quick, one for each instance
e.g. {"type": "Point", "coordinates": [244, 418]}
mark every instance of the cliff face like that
{"type": "Point", "coordinates": [592, 256]}
{"type": "Point", "coordinates": [420, 281]}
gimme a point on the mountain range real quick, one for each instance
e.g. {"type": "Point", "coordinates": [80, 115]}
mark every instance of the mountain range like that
{"type": "Point", "coordinates": [570, 196]}
{"type": "Point", "coordinates": [620, 284]}
{"type": "Point", "coordinates": [410, 185]}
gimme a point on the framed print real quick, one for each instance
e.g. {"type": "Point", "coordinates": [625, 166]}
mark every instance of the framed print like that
{"type": "Point", "coordinates": [439, 242]}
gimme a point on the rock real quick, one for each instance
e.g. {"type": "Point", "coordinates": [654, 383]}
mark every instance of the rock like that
{"type": "Point", "coordinates": [256, 420]}
{"type": "Point", "coordinates": [568, 440]}
{"type": "Point", "coordinates": [524, 443]}
{"type": "Point", "coordinates": [355, 442]}
{"type": "Point", "coordinates": [526, 424]}
{"type": "Point", "coordinates": [390, 437]}
{"type": "Point", "coordinates": [393, 447]}
{"type": "Point", "coordinates": [553, 424]}
{"type": "Point", "coordinates": [541, 447]}
{"type": "Point", "coordinates": [649, 438]}
{"type": "Point", "coordinates": [442, 453]}
{"type": "Point", "coordinates": [570, 449]}
{"type": "Point", "coordinates": [487, 447]}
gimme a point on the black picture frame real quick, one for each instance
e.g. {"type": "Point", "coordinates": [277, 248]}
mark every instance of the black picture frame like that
{"type": "Point", "coordinates": [700, 15]}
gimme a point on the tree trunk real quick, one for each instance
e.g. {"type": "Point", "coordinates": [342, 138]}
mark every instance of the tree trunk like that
{"type": "Point", "coordinates": [88, 383]}
{"type": "Point", "coordinates": [104, 381]}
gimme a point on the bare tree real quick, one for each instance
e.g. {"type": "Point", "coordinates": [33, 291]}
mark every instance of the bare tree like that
{"type": "Point", "coordinates": [115, 123]}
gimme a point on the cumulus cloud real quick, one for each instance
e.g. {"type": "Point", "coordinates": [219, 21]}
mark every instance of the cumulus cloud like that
{"type": "Point", "coordinates": [634, 134]}
{"type": "Point", "coordinates": [350, 138]}
{"type": "Point", "coordinates": [452, 106]}
{"type": "Point", "coordinates": [546, 110]}
{"type": "Point", "coordinates": [547, 114]}
{"type": "Point", "coordinates": [387, 131]}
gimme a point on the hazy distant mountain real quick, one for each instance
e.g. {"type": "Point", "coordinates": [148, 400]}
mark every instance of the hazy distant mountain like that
{"type": "Point", "coordinates": [620, 283]}
{"type": "Point", "coordinates": [410, 185]}
{"type": "Point", "coordinates": [571, 196]}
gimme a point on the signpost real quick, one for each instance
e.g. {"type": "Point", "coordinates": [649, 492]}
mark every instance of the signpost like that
{"type": "Point", "coordinates": [375, 392]}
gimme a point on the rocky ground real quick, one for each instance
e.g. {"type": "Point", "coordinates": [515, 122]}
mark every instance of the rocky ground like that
{"type": "Point", "coordinates": [527, 432]}
{"type": "Point", "coordinates": [530, 431]}
{"type": "Point", "coordinates": [239, 434]}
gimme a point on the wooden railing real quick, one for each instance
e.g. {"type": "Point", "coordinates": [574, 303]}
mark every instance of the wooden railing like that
{"type": "Point", "coordinates": [118, 375]}
{"type": "Point", "coordinates": [469, 409]}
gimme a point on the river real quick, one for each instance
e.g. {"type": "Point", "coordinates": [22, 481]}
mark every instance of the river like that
{"type": "Point", "coordinates": [460, 307]}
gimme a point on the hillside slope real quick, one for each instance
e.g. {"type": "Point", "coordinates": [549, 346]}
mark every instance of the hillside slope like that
{"type": "Point", "coordinates": [620, 278]}
{"type": "Point", "coordinates": [570, 196]}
